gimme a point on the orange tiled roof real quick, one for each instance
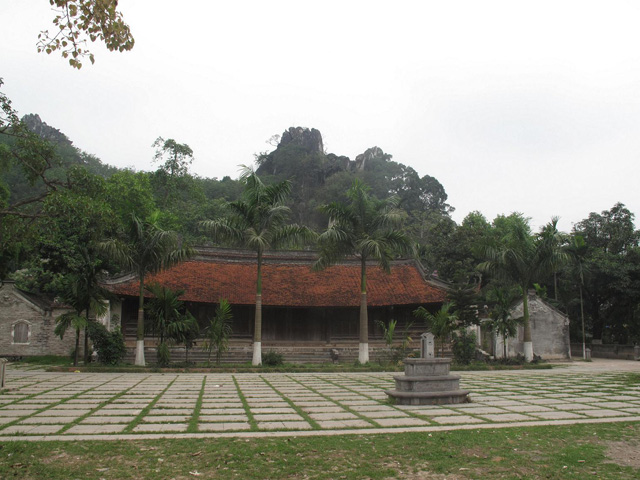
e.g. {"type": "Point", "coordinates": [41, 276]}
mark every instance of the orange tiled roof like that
{"type": "Point", "coordinates": [291, 284]}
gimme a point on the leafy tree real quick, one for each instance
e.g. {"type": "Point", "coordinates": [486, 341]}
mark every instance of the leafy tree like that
{"type": "Point", "coordinates": [79, 20]}
{"type": "Point", "coordinates": [463, 344]}
{"type": "Point", "coordinates": [258, 222]}
{"type": "Point", "coordinates": [176, 156]}
{"type": "Point", "coordinates": [34, 157]}
{"type": "Point", "coordinates": [130, 192]}
{"type": "Point", "coordinates": [146, 249]}
{"type": "Point", "coordinates": [520, 258]}
{"type": "Point", "coordinates": [464, 302]}
{"type": "Point", "coordinates": [453, 251]}
{"type": "Point", "coordinates": [219, 330]}
{"type": "Point", "coordinates": [368, 229]}
{"type": "Point", "coordinates": [442, 324]}
{"type": "Point", "coordinates": [612, 274]}
{"type": "Point", "coordinates": [109, 346]}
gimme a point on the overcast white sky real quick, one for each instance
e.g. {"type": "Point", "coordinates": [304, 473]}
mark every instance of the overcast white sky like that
{"type": "Point", "coordinates": [529, 106]}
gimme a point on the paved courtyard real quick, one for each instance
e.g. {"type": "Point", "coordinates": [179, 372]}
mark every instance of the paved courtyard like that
{"type": "Point", "coordinates": [41, 405]}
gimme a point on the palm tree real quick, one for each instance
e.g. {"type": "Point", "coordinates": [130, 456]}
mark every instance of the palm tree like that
{"type": "Point", "coordinates": [577, 250]}
{"type": "Point", "coordinates": [551, 234]}
{"type": "Point", "coordinates": [368, 229]}
{"type": "Point", "coordinates": [521, 258]}
{"type": "Point", "coordinates": [218, 331]}
{"type": "Point", "coordinates": [441, 324]}
{"type": "Point", "coordinates": [83, 293]}
{"type": "Point", "coordinates": [147, 249]}
{"type": "Point", "coordinates": [258, 221]}
{"type": "Point", "coordinates": [164, 309]}
{"type": "Point", "coordinates": [73, 320]}
{"type": "Point", "coordinates": [501, 320]}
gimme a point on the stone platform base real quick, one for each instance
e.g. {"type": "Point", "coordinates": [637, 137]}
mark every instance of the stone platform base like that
{"type": "Point", "coordinates": [427, 382]}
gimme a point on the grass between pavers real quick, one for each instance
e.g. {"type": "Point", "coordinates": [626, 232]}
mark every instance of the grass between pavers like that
{"type": "Point", "coordinates": [556, 452]}
{"type": "Point", "coordinates": [50, 406]}
{"type": "Point", "coordinates": [340, 404]}
{"type": "Point", "coordinates": [145, 411]}
{"type": "Point", "coordinates": [296, 408]}
{"type": "Point", "coordinates": [100, 406]}
{"type": "Point", "coordinates": [195, 417]}
{"type": "Point", "coordinates": [247, 409]}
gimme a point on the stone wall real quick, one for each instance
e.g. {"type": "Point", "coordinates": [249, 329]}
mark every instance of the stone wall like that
{"type": "Point", "coordinates": [18, 309]}
{"type": "Point", "coordinates": [621, 352]}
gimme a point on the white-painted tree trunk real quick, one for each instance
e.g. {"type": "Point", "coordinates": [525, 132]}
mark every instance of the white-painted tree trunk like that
{"type": "Point", "coordinates": [363, 353]}
{"type": "Point", "coordinates": [257, 353]}
{"type": "Point", "coordinates": [140, 353]}
{"type": "Point", "coordinates": [528, 351]}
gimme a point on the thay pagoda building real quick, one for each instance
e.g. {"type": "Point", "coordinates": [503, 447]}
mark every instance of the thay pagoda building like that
{"type": "Point", "coordinates": [305, 314]}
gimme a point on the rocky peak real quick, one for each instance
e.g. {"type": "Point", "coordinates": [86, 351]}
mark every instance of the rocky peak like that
{"type": "Point", "coordinates": [40, 128]}
{"type": "Point", "coordinates": [309, 139]}
{"type": "Point", "coordinates": [361, 160]}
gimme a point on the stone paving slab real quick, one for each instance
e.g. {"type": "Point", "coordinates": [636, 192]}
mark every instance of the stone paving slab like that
{"type": "Point", "coordinates": [48, 405]}
{"type": "Point", "coordinates": [98, 420]}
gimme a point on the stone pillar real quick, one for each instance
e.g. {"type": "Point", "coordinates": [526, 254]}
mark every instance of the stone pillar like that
{"type": "Point", "coordinates": [427, 349]}
{"type": "Point", "coordinates": [3, 369]}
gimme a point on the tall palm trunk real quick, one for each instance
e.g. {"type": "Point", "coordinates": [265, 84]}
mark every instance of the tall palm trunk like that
{"type": "Point", "coordinates": [257, 334]}
{"type": "Point", "coordinates": [363, 348]}
{"type": "Point", "coordinates": [584, 340]}
{"type": "Point", "coordinates": [140, 332]}
{"type": "Point", "coordinates": [504, 346]}
{"type": "Point", "coordinates": [528, 344]}
{"type": "Point", "coordinates": [86, 336]}
{"type": "Point", "coordinates": [76, 354]}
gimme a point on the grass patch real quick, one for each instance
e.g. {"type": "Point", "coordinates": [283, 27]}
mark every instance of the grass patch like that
{"type": "Point", "coordinates": [558, 452]}
{"type": "Point", "coordinates": [47, 360]}
{"type": "Point", "coordinates": [284, 368]}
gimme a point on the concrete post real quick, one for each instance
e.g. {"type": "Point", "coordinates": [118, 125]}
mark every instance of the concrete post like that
{"type": "Point", "coordinates": [588, 354]}
{"type": "Point", "coordinates": [636, 352]}
{"type": "Point", "coordinates": [427, 345]}
{"type": "Point", "coordinates": [3, 369]}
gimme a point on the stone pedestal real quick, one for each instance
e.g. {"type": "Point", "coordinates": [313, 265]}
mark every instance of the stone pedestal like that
{"type": "Point", "coordinates": [426, 381]}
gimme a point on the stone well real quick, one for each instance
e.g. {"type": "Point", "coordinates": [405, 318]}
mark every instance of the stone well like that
{"type": "Point", "coordinates": [427, 381]}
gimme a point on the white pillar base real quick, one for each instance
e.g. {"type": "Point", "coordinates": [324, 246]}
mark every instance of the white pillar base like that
{"type": "Point", "coordinates": [528, 352]}
{"type": "Point", "coordinates": [140, 353]}
{"type": "Point", "coordinates": [363, 353]}
{"type": "Point", "coordinates": [257, 353]}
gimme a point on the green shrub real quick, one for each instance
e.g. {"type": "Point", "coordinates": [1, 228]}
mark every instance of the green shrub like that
{"type": "Point", "coordinates": [464, 346]}
{"type": "Point", "coordinates": [272, 359]}
{"type": "Point", "coordinates": [108, 345]}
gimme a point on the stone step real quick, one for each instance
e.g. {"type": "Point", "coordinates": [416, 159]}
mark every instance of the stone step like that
{"type": "Point", "coordinates": [447, 397]}
{"type": "Point", "coordinates": [436, 383]}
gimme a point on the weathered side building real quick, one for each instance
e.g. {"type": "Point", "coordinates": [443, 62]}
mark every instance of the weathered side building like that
{"type": "Point", "coordinates": [27, 325]}
{"type": "Point", "coordinates": [549, 332]}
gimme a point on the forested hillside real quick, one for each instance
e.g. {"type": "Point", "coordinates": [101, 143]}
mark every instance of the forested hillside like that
{"type": "Point", "coordinates": [57, 201]}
